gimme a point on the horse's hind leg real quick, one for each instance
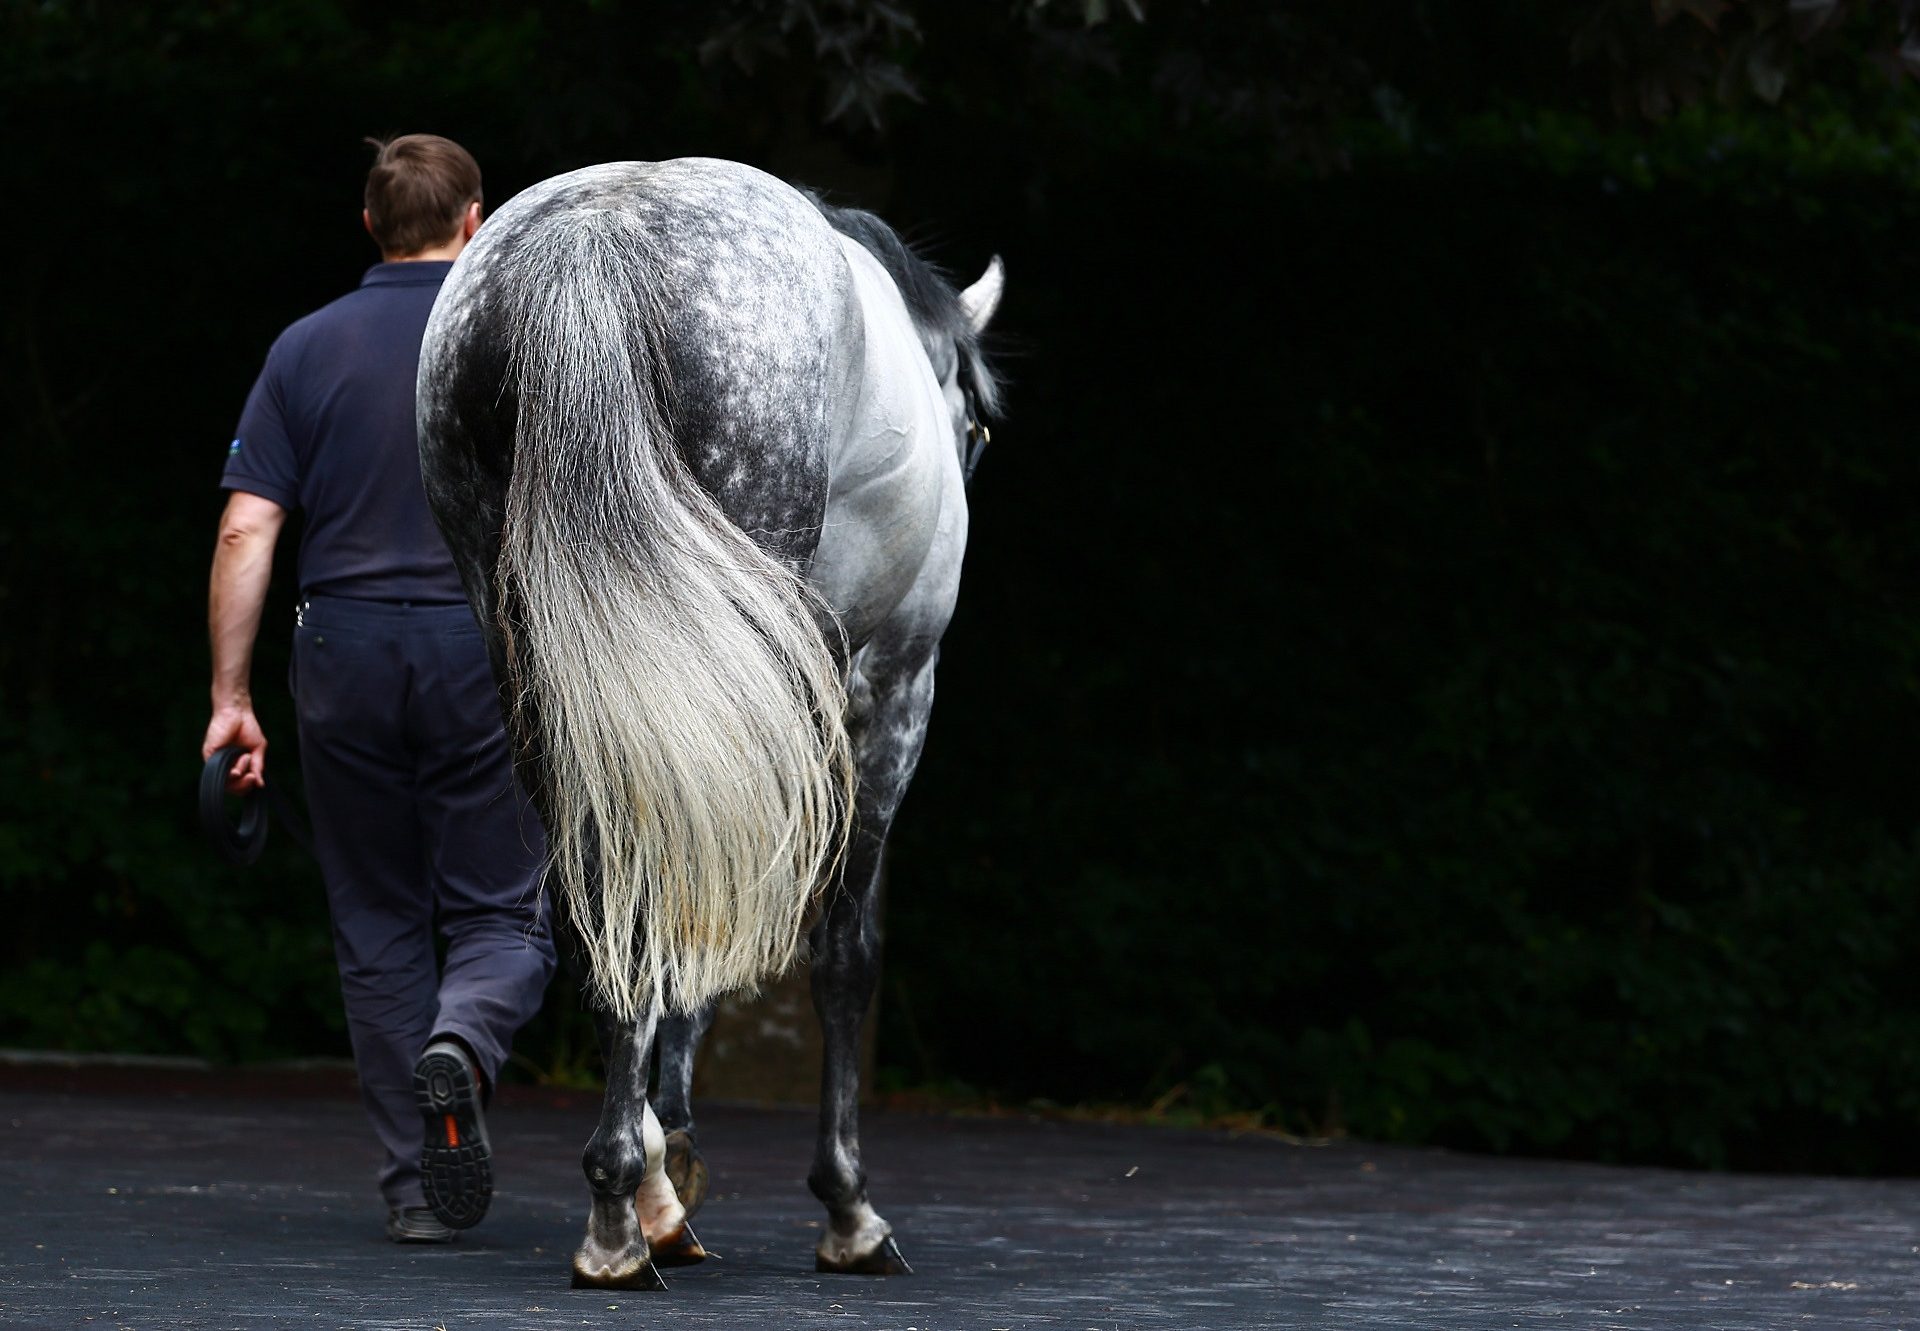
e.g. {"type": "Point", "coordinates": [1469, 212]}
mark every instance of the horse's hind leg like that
{"type": "Point", "coordinates": [636, 1220]}
{"type": "Point", "coordinates": [680, 1036]}
{"type": "Point", "coordinates": [887, 718]}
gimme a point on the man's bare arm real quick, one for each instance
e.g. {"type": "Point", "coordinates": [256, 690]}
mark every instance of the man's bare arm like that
{"type": "Point", "coordinates": [242, 567]}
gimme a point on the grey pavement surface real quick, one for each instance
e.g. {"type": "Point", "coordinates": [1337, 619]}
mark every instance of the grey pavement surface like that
{"type": "Point", "coordinates": [140, 1206]}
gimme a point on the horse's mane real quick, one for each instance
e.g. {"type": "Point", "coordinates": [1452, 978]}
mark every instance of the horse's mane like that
{"type": "Point", "coordinates": [931, 297]}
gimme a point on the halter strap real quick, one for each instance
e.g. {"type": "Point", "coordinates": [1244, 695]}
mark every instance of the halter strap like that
{"type": "Point", "coordinates": [978, 435]}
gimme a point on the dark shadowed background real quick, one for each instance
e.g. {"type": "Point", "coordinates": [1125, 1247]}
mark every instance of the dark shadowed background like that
{"type": "Point", "coordinates": [1440, 656]}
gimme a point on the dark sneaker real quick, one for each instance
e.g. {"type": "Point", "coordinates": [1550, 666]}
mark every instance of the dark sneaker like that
{"type": "Point", "coordinates": [416, 1224]}
{"type": "Point", "coordinates": [456, 1161]}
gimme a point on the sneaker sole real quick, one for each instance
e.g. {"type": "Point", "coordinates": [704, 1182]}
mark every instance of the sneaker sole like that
{"type": "Point", "coordinates": [410, 1231]}
{"type": "Point", "coordinates": [456, 1163]}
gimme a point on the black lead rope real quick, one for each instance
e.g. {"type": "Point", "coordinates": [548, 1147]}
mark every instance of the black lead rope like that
{"type": "Point", "coordinates": [978, 435]}
{"type": "Point", "coordinates": [242, 842]}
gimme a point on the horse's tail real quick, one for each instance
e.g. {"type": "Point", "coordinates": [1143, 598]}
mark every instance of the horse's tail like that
{"type": "Point", "coordinates": [673, 678]}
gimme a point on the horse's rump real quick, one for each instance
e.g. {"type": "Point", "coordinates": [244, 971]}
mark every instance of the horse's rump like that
{"type": "Point", "coordinates": [663, 333]}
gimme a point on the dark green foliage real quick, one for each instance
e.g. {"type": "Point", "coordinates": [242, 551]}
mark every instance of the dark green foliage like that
{"type": "Point", "coordinates": [1439, 654]}
{"type": "Point", "coordinates": [1471, 701]}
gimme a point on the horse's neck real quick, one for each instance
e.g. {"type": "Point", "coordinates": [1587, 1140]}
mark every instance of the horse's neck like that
{"type": "Point", "coordinates": [891, 458]}
{"type": "Point", "coordinates": [895, 409]}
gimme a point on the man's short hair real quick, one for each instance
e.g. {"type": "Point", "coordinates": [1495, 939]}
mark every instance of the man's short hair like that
{"type": "Point", "coordinates": [418, 191]}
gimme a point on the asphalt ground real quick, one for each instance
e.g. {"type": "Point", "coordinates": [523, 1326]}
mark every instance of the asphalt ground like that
{"type": "Point", "coordinates": [143, 1203]}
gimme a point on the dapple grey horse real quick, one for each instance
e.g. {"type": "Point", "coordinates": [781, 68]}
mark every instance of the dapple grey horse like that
{"type": "Point", "coordinates": [695, 439]}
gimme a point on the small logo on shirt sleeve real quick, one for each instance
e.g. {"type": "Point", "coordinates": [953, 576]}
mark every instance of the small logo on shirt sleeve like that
{"type": "Point", "coordinates": [233, 449]}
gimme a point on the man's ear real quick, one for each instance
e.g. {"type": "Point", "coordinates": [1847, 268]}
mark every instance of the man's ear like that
{"type": "Point", "coordinates": [471, 222]}
{"type": "Point", "coordinates": [366, 220]}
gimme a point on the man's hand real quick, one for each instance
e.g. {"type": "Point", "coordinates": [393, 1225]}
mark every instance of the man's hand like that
{"type": "Point", "coordinates": [242, 566]}
{"type": "Point", "coordinates": [236, 724]}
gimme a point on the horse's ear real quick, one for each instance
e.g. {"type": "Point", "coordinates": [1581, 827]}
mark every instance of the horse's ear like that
{"type": "Point", "coordinates": [982, 298]}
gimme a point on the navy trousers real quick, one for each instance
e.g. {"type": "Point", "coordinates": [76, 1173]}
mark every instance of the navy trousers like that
{"type": "Point", "coordinates": [420, 828]}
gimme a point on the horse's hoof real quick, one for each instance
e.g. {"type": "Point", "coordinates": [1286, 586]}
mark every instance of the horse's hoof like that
{"type": "Point", "coordinates": [686, 1170]}
{"type": "Point", "coordinates": [884, 1260]}
{"type": "Point", "coordinates": [679, 1248]}
{"type": "Point", "coordinates": [642, 1276]}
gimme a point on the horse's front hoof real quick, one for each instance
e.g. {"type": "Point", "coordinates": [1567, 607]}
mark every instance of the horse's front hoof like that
{"type": "Point", "coordinates": [679, 1248]}
{"type": "Point", "coordinates": [630, 1273]}
{"type": "Point", "coordinates": [686, 1170]}
{"type": "Point", "coordinates": [884, 1260]}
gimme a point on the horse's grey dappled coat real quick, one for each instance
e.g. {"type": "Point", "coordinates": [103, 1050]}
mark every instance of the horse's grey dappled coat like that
{"type": "Point", "coordinates": [694, 439]}
{"type": "Point", "coordinates": [673, 676]}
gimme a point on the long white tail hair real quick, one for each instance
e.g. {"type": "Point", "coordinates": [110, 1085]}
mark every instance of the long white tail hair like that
{"type": "Point", "coordinates": [675, 679]}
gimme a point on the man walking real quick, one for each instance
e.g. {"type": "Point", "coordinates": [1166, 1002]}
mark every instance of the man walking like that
{"type": "Point", "coordinates": [417, 821]}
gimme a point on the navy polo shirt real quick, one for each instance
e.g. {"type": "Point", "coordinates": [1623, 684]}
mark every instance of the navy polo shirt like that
{"type": "Point", "coordinates": [328, 429]}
